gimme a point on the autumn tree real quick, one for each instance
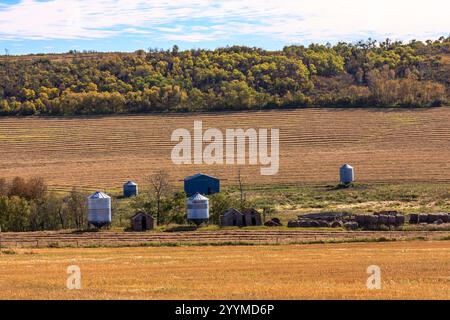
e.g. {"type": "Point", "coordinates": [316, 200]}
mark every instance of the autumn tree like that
{"type": "Point", "coordinates": [160, 186]}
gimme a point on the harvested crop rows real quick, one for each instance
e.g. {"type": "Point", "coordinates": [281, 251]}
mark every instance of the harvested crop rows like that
{"type": "Point", "coordinates": [103, 152]}
{"type": "Point", "coordinates": [66, 238]}
{"type": "Point", "coordinates": [410, 270]}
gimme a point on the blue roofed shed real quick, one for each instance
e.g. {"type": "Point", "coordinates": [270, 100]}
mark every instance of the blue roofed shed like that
{"type": "Point", "coordinates": [201, 183]}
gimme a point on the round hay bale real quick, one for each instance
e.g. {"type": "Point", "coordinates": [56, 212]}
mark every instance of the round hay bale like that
{"type": "Point", "coordinates": [446, 218]}
{"type": "Point", "coordinates": [293, 224]}
{"type": "Point", "coordinates": [399, 220]}
{"type": "Point", "coordinates": [443, 217]}
{"type": "Point", "coordinates": [337, 224]}
{"type": "Point", "coordinates": [324, 224]}
{"type": "Point", "coordinates": [314, 224]}
{"type": "Point", "coordinates": [372, 220]}
{"type": "Point", "coordinates": [383, 219]}
{"type": "Point", "coordinates": [272, 223]}
{"type": "Point", "coordinates": [361, 219]}
{"type": "Point", "coordinates": [304, 224]}
{"type": "Point", "coordinates": [432, 217]}
{"type": "Point", "coordinates": [276, 220]}
{"type": "Point", "coordinates": [391, 220]}
{"type": "Point", "coordinates": [423, 218]}
{"type": "Point", "coordinates": [351, 225]}
{"type": "Point", "coordinates": [414, 218]}
{"type": "Point", "coordinates": [438, 221]}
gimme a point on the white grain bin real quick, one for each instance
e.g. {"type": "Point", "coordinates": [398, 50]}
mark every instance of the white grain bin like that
{"type": "Point", "coordinates": [198, 209]}
{"type": "Point", "coordinates": [347, 174]}
{"type": "Point", "coordinates": [99, 209]}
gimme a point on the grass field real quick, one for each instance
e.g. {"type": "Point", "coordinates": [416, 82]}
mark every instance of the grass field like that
{"type": "Point", "coordinates": [103, 152]}
{"type": "Point", "coordinates": [409, 270]}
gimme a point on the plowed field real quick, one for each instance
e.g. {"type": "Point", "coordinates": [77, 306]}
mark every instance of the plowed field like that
{"type": "Point", "coordinates": [103, 152]}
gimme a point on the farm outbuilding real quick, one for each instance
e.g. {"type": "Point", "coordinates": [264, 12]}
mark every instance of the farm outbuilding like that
{"type": "Point", "coordinates": [252, 217]}
{"type": "Point", "coordinates": [232, 218]}
{"type": "Point", "coordinates": [130, 189]}
{"type": "Point", "coordinates": [142, 221]}
{"type": "Point", "coordinates": [201, 183]}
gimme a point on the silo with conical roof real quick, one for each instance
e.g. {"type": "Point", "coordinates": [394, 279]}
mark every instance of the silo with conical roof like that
{"type": "Point", "coordinates": [99, 209]}
{"type": "Point", "coordinates": [130, 189]}
{"type": "Point", "coordinates": [198, 209]}
{"type": "Point", "coordinates": [347, 174]}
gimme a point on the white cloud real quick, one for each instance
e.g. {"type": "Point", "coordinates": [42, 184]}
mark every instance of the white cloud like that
{"type": "Point", "coordinates": [204, 20]}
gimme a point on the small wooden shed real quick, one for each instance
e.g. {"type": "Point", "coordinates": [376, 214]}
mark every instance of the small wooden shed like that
{"type": "Point", "coordinates": [142, 221]}
{"type": "Point", "coordinates": [252, 217]}
{"type": "Point", "coordinates": [232, 218]}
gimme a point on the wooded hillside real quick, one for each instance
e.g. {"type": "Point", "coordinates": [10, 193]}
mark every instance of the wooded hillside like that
{"type": "Point", "coordinates": [366, 74]}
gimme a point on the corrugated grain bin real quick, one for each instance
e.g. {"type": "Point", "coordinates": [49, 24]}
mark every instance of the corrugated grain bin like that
{"type": "Point", "coordinates": [198, 209]}
{"type": "Point", "coordinates": [130, 189]}
{"type": "Point", "coordinates": [99, 209]}
{"type": "Point", "coordinates": [347, 174]}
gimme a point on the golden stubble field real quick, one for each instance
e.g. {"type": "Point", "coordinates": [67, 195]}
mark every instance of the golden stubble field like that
{"type": "Point", "coordinates": [409, 270]}
{"type": "Point", "coordinates": [103, 152]}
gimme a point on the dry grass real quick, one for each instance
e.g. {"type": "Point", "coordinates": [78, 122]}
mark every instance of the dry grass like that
{"type": "Point", "coordinates": [103, 152]}
{"type": "Point", "coordinates": [410, 270]}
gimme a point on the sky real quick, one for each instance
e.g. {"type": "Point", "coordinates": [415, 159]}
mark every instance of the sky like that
{"type": "Point", "coordinates": [50, 26]}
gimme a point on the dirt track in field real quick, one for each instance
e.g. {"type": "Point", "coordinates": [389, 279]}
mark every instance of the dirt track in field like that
{"type": "Point", "coordinates": [103, 152]}
{"type": "Point", "coordinates": [108, 238]}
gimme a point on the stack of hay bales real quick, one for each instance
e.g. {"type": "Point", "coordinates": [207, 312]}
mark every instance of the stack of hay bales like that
{"type": "Point", "coordinates": [351, 225]}
{"type": "Point", "coordinates": [324, 220]}
{"type": "Point", "coordinates": [414, 218]}
{"type": "Point", "coordinates": [385, 218]}
{"type": "Point", "coordinates": [324, 224]}
{"type": "Point", "coordinates": [316, 223]}
{"type": "Point", "coordinates": [293, 224]}
{"type": "Point", "coordinates": [400, 220]}
{"type": "Point", "coordinates": [337, 224]}
{"type": "Point", "coordinates": [432, 218]}
{"type": "Point", "coordinates": [304, 224]}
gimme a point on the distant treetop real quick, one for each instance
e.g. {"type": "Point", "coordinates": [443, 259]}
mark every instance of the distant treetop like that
{"type": "Point", "coordinates": [365, 74]}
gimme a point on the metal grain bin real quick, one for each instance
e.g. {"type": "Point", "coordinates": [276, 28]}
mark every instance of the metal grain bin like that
{"type": "Point", "coordinates": [130, 189]}
{"type": "Point", "coordinates": [99, 209]}
{"type": "Point", "coordinates": [198, 209]}
{"type": "Point", "coordinates": [347, 174]}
